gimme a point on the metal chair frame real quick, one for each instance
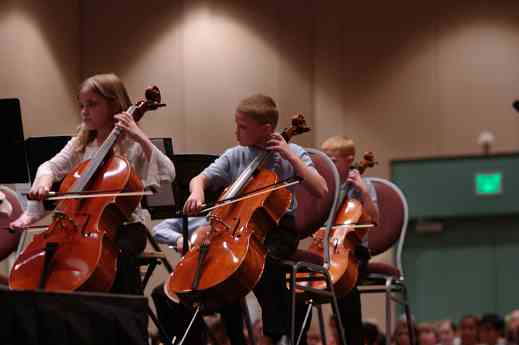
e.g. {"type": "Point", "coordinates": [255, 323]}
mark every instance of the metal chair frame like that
{"type": "Point", "coordinates": [316, 297]}
{"type": "Point", "coordinates": [390, 285]}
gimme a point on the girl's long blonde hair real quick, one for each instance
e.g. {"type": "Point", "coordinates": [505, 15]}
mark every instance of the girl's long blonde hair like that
{"type": "Point", "coordinates": [111, 88]}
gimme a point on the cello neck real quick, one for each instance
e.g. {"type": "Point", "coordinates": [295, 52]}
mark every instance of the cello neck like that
{"type": "Point", "coordinates": [244, 177]}
{"type": "Point", "coordinates": [99, 157]}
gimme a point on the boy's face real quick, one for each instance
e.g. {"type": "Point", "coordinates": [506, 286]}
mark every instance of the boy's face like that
{"type": "Point", "coordinates": [249, 132]}
{"type": "Point", "coordinates": [342, 161]}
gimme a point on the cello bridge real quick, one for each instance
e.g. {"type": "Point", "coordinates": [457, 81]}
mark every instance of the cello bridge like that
{"type": "Point", "coordinates": [61, 222]}
{"type": "Point", "coordinates": [219, 221]}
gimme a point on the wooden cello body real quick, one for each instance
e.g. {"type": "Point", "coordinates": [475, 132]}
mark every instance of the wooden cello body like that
{"type": "Point", "coordinates": [235, 258]}
{"type": "Point", "coordinates": [84, 231]}
{"type": "Point", "coordinates": [78, 251]}
{"type": "Point", "coordinates": [230, 260]}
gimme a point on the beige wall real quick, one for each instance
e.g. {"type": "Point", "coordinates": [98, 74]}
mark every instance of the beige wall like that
{"type": "Point", "coordinates": [417, 79]}
{"type": "Point", "coordinates": [205, 56]}
{"type": "Point", "coordinates": [39, 63]}
{"type": "Point", "coordinates": [403, 78]}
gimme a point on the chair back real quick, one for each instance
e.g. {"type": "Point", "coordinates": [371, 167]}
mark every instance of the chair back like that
{"type": "Point", "coordinates": [9, 242]}
{"type": "Point", "coordinates": [188, 166]}
{"type": "Point", "coordinates": [312, 212]}
{"type": "Point", "coordinates": [393, 218]}
{"type": "Point", "coordinates": [162, 203]}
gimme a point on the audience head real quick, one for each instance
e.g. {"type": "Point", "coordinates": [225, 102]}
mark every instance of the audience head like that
{"type": "Point", "coordinates": [401, 333]}
{"type": "Point", "coordinates": [512, 327]}
{"type": "Point", "coordinates": [427, 334]}
{"type": "Point", "coordinates": [469, 326]}
{"type": "Point", "coordinates": [446, 332]}
{"type": "Point", "coordinates": [491, 328]}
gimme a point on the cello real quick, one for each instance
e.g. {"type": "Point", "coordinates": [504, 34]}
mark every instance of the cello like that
{"type": "Point", "coordinates": [231, 257]}
{"type": "Point", "coordinates": [354, 224]}
{"type": "Point", "coordinates": [78, 250]}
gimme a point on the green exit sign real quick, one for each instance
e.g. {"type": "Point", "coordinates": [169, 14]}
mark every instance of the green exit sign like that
{"type": "Point", "coordinates": [489, 183]}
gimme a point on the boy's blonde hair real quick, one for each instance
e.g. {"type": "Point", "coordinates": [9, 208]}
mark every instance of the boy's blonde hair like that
{"type": "Point", "coordinates": [260, 108]}
{"type": "Point", "coordinates": [340, 144]}
{"type": "Point", "coordinates": [111, 88]}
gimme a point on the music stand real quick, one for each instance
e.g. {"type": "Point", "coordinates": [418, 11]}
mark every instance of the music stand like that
{"type": "Point", "coordinates": [11, 140]}
{"type": "Point", "coordinates": [188, 166]}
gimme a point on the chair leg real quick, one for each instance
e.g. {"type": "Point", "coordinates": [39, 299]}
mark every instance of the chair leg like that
{"type": "Point", "coordinates": [197, 310]}
{"type": "Point", "coordinates": [307, 314]}
{"type": "Point", "coordinates": [293, 306]}
{"type": "Point", "coordinates": [322, 328]}
{"type": "Point", "coordinates": [388, 310]}
{"type": "Point", "coordinates": [149, 271]}
{"type": "Point", "coordinates": [407, 310]}
{"type": "Point", "coordinates": [164, 336]}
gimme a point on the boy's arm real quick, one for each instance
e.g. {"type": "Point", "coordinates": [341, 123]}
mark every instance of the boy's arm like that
{"type": "Point", "coordinates": [370, 208]}
{"type": "Point", "coordinates": [196, 199]}
{"type": "Point", "coordinates": [312, 180]}
{"type": "Point", "coordinates": [368, 203]}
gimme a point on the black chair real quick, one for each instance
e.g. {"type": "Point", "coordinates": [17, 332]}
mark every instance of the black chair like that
{"type": "Point", "coordinates": [188, 166]}
{"type": "Point", "coordinates": [162, 203]}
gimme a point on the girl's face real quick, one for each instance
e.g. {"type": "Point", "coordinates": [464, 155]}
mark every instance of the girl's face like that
{"type": "Point", "coordinates": [96, 111]}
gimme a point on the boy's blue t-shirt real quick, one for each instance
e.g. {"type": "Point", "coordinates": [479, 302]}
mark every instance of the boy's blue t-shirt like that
{"type": "Point", "coordinates": [226, 169]}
